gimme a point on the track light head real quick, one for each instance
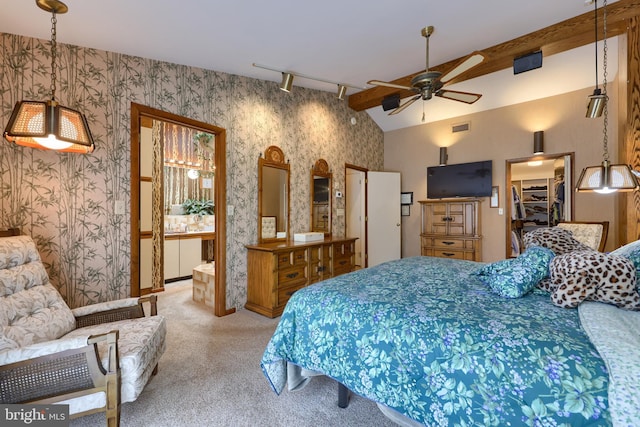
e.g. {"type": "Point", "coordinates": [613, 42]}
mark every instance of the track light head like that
{"type": "Point", "coordinates": [287, 82]}
{"type": "Point", "coordinates": [342, 92]}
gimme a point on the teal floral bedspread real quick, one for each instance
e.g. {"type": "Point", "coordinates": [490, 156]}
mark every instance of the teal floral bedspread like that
{"type": "Point", "coordinates": [425, 337]}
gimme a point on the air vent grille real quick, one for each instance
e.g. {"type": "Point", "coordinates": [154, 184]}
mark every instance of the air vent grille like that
{"type": "Point", "coordinates": [460, 127]}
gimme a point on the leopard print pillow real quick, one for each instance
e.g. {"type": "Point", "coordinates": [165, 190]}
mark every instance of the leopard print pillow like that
{"type": "Point", "coordinates": [559, 240]}
{"type": "Point", "coordinates": [595, 276]}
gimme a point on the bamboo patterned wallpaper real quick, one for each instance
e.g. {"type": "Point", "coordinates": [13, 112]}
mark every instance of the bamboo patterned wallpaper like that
{"type": "Point", "coordinates": [66, 201]}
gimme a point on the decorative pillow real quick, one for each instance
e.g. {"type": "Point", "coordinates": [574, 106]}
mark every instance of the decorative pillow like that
{"type": "Point", "coordinates": [631, 251]}
{"type": "Point", "coordinates": [559, 240]}
{"type": "Point", "coordinates": [594, 276]}
{"type": "Point", "coordinates": [513, 278]}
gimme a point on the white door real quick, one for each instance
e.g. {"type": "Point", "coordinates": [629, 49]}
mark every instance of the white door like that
{"type": "Point", "coordinates": [383, 214]}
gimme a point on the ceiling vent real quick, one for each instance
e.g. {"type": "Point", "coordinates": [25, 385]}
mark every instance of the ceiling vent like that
{"type": "Point", "coordinates": [460, 127]}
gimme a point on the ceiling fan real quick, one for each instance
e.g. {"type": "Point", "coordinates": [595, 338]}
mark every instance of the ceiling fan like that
{"type": "Point", "coordinates": [431, 83]}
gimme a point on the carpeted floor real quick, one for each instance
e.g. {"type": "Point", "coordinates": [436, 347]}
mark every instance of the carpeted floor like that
{"type": "Point", "coordinates": [210, 376]}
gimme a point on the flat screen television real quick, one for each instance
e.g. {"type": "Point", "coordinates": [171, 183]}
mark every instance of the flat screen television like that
{"type": "Point", "coordinates": [460, 180]}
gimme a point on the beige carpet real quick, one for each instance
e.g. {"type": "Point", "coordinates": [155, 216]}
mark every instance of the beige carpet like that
{"type": "Point", "coordinates": [210, 376]}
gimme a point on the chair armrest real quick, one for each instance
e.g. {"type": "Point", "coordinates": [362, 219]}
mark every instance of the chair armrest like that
{"type": "Point", "coordinates": [104, 306]}
{"type": "Point", "coordinates": [112, 311]}
{"type": "Point", "coordinates": [62, 375]}
{"type": "Point", "coordinates": [32, 351]}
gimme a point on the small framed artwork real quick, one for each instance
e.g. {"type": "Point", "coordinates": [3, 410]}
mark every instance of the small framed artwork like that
{"type": "Point", "coordinates": [495, 200]}
{"type": "Point", "coordinates": [406, 198]}
{"type": "Point", "coordinates": [206, 183]}
{"type": "Point", "coordinates": [405, 210]}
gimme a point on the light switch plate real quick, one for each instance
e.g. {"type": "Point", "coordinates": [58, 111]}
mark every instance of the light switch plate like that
{"type": "Point", "coordinates": [340, 212]}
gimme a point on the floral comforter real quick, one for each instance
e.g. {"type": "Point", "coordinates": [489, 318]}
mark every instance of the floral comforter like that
{"type": "Point", "coordinates": [425, 337]}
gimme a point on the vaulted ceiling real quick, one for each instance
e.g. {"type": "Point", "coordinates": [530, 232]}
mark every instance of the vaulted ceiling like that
{"type": "Point", "coordinates": [350, 42]}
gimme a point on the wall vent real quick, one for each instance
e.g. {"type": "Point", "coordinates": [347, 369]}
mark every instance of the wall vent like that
{"type": "Point", "coordinates": [460, 127]}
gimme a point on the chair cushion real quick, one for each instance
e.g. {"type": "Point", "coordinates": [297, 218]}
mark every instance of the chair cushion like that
{"type": "Point", "coordinates": [33, 316]}
{"type": "Point", "coordinates": [31, 309]}
{"type": "Point", "coordinates": [141, 342]}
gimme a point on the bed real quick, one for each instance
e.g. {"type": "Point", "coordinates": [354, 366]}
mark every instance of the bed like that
{"type": "Point", "coordinates": [428, 339]}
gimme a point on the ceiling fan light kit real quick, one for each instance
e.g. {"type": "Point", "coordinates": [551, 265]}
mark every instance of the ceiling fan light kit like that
{"type": "Point", "coordinates": [431, 83]}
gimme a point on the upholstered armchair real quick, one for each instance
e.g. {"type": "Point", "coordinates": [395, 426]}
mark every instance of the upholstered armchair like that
{"type": "Point", "coordinates": [91, 358]}
{"type": "Point", "coordinates": [591, 233]}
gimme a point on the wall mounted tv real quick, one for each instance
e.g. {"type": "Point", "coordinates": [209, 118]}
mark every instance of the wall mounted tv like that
{"type": "Point", "coordinates": [461, 180]}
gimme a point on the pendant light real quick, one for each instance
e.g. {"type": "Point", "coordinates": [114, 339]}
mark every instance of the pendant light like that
{"type": "Point", "coordinates": [606, 178]}
{"type": "Point", "coordinates": [47, 124]}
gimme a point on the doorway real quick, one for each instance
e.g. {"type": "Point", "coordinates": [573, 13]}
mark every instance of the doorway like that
{"type": "Point", "coordinates": [147, 203]}
{"type": "Point", "coordinates": [539, 194]}
{"type": "Point", "coordinates": [356, 211]}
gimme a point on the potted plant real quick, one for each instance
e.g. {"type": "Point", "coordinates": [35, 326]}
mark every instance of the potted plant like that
{"type": "Point", "coordinates": [198, 207]}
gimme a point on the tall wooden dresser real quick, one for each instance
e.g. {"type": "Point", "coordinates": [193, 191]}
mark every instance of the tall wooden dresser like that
{"type": "Point", "coordinates": [276, 270]}
{"type": "Point", "coordinates": [451, 229]}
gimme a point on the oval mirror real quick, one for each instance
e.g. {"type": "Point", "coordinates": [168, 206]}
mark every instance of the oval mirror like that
{"type": "Point", "coordinates": [273, 196]}
{"type": "Point", "coordinates": [321, 197]}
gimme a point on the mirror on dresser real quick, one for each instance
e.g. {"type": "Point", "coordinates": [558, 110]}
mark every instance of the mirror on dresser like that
{"type": "Point", "coordinates": [273, 196]}
{"type": "Point", "coordinates": [321, 184]}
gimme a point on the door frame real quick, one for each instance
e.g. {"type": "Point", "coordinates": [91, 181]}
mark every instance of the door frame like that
{"type": "Point", "coordinates": [569, 158]}
{"type": "Point", "coordinates": [365, 257]}
{"type": "Point", "coordinates": [138, 113]}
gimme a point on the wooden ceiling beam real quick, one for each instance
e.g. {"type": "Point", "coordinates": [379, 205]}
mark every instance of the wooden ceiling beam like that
{"type": "Point", "coordinates": [560, 37]}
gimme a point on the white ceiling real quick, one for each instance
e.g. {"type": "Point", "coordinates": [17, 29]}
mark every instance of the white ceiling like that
{"type": "Point", "coordinates": [349, 42]}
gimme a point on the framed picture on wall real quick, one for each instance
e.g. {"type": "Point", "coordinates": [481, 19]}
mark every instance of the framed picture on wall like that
{"type": "Point", "coordinates": [495, 200]}
{"type": "Point", "coordinates": [405, 210]}
{"type": "Point", "coordinates": [406, 198]}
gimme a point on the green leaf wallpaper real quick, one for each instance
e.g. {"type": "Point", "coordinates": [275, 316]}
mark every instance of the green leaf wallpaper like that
{"type": "Point", "coordinates": [66, 201]}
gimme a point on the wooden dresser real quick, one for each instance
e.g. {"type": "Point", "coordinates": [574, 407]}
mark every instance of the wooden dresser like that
{"type": "Point", "coordinates": [451, 229]}
{"type": "Point", "coordinates": [276, 270]}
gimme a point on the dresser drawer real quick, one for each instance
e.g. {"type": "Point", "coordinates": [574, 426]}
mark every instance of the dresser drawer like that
{"type": "Point", "coordinates": [293, 275]}
{"type": "Point", "coordinates": [449, 243]}
{"type": "Point", "coordinates": [342, 266]}
{"type": "Point", "coordinates": [444, 253]}
{"type": "Point", "coordinates": [284, 293]}
{"type": "Point", "coordinates": [292, 258]}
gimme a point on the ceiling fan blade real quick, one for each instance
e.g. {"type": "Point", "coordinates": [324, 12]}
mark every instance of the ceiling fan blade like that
{"type": "Point", "coordinates": [465, 65]}
{"type": "Point", "coordinates": [455, 95]}
{"type": "Point", "coordinates": [404, 105]}
{"type": "Point", "coordinates": [387, 84]}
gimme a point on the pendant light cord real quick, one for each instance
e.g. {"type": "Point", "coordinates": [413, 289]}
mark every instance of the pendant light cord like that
{"type": "Point", "coordinates": [53, 55]}
{"type": "Point", "coordinates": [605, 140]}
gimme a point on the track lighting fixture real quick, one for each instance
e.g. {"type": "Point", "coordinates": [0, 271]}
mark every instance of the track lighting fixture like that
{"type": "Point", "coordinates": [342, 92]}
{"type": "Point", "coordinates": [287, 81]}
{"type": "Point", "coordinates": [47, 124]}
{"type": "Point", "coordinates": [598, 99]}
